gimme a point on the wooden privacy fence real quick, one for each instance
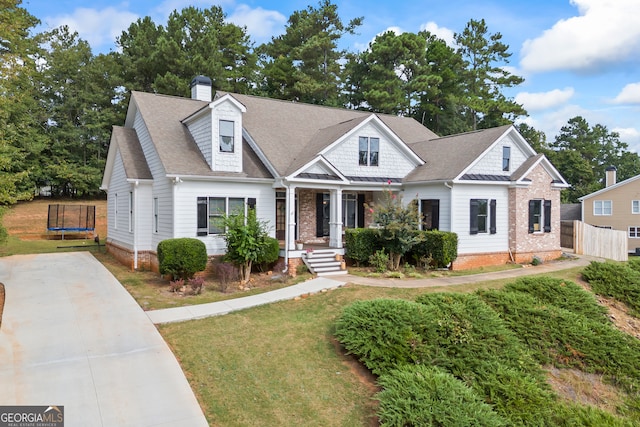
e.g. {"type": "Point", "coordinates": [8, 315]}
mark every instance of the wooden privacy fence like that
{"type": "Point", "coordinates": [600, 242]}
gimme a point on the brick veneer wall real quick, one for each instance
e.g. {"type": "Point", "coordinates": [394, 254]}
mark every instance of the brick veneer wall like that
{"type": "Point", "coordinates": [147, 260]}
{"type": "Point", "coordinates": [525, 245]}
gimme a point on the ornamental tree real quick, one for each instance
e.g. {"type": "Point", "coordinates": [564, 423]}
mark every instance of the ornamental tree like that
{"type": "Point", "coordinates": [398, 224]}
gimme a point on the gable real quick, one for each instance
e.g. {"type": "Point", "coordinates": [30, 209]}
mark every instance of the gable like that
{"type": "Point", "coordinates": [491, 161]}
{"type": "Point", "coordinates": [629, 187]}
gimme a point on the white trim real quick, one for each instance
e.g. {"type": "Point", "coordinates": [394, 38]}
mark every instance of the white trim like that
{"type": "Point", "coordinates": [611, 187]}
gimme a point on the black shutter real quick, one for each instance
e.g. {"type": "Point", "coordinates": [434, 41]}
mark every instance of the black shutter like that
{"type": "Point", "coordinates": [251, 202]}
{"type": "Point", "coordinates": [532, 207]}
{"type": "Point", "coordinates": [547, 216]}
{"type": "Point", "coordinates": [203, 220]}
{"type": "Point", "coordinates": [435, 214]}
{"type": "Point", "coordinates": [473, 217]}
{"type": "Point", "coordinates": [319, 215]}
{"type": "Point", "coordinates": [492, 216]}
{"type": "Point", "coordinates": [360, 208]}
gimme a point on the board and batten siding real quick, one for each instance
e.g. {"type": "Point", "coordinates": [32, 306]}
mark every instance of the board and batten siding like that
{"type": "Point", "coordinates": [433, 191]}
{"type": "Point", "coordinates": [187, 194]}
{"type": "Point", "coordinates": [392, 162]}
{"type": "Point", "coordinates": [491, 162]}
{"type": "Point", "coordinates": [460, 219]}
{"type": "Point", "coordinates": [118, 196]}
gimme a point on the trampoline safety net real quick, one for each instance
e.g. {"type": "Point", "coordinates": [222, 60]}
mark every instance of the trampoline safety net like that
{"type": "Point", "coordinates": [71, 218]}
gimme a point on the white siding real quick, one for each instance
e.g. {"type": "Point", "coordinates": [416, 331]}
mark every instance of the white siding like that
{"type": "Point", "coordinates": [187, 194]}
{"type": "Point", "coordinates": [118, 222]}
{"type": "Point", "coordinates": [393, 163]}
{"type": "Point", "coordinates": [200, 129]}
{"type": "Point", "coordinates": [433, 191]}
{"type": "Point", "coordinates": [227, 162]}
{"type": "Point", "coordinates": [143, 216]}
{"type": "Point", "coordinates": [162, 186]}
{"type": "Point", "coordinates": [482, 242]}
{"type": "Point", "coordinates": [491, 163]}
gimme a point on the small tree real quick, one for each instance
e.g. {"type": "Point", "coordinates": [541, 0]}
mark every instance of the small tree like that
{"type": "Point", "coordinates": [246, 238]}
{"type": "Point", "coordinates": [398, 224]}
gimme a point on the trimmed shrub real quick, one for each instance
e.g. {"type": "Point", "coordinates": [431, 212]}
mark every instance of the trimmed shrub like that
{"type": "Point", "coordinates": [182, 257]}
{"type": "Point", "coordinates": [269, 253]}
{"type": "Point", "coordinates": [615, 280]}
{"type": "Point", "coordinates": [426, 396]}
{"type": "Point", "coordinates": [360, 244]}
{"type": "Point", "coordinates": [440, 247]}
{"type": "Point", "coordinates": [562, 293]}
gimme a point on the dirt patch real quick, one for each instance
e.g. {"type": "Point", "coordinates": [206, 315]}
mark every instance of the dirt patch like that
{"type": "Point", "coordinates": [28, 220]}
{"type": "Point", "coordinates": [584, 388]}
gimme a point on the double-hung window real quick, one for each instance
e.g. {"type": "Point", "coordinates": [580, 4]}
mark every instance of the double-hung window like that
{"type": "Point", "coordinates": [349, 210]}
{"type": "Point", "coordinates": [506, 158]}
{"type": "Point", "coordinates": [602, 207]}
{"type": "Point", "coordinates": [634, 232]}
{"type": "Point", "coordinates": [635, 206]}
{"type": "Point", "coordinates": [482, 216]}
{"type": "Point", "coordinates": [226, 136]}
{"type": "Point", "coordinates": [539, 216]}
{"type": "Point", "coordinates": [212, 209]}
{"type": "Point", "coordinates": [368, 151]}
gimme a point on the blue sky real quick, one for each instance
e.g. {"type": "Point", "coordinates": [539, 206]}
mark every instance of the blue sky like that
{"type": "Point", "coordinates": [578, 57]}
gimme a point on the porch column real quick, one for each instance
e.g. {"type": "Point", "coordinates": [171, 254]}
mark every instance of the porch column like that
{"type": "Point", "coordinates": [335, 220]}
{"type": "Point", "coordinates": [291, 218]}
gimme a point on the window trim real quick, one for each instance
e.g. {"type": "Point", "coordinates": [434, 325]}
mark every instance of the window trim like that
{"type": "Point", "coordinates": [635, 211]}
{"type": "Point", "coordinates": [156, 214]}
{"type": "Point", "coordinates": [506, 158]}
{"type": "Point", "coordinates": [232, 136]}
{"type": "Point", "coordinates": [369, 153]}
{"type": "Point", "coordinates": [602, 208]}
{"type": "Point", "coordinates": [490, 222]}
{"type": "Point", "coordinates": [115, 217]}
{"type": "Point", "coordinates": [637, 232]}
{"type": "Point", "coordinates": [545, 216]}
{"type": "Point", "coordinates": [130, 211]}
{"type": "Point", "coordinates": [203, 215]}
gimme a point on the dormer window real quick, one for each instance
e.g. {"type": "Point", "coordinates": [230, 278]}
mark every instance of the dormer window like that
{"type": "Point", "coordinates": [368, 154]}
{"type": "Point", "coordinates": [226, 136]}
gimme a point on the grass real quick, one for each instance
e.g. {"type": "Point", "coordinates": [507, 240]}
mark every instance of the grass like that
{"type": "Point", "coordinates": [279, 364]}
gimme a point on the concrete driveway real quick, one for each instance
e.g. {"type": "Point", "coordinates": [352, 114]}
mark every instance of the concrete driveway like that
{"type": "Point", "coordinates": [71, 335]}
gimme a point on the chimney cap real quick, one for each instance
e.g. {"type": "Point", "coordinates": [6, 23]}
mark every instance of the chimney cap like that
{"type": "Point", "coordinates": [200, 80]}
{"type": "Point", "coordinates": [611, 168]}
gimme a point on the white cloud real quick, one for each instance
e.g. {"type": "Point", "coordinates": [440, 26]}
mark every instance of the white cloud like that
{"type": "Point", "coordinates": [630, 94]}
{"type": "Point", "coordinates": [440, 32]}
{"type": "Point", "coordinates": [629, 135]}
{"type": "Point", "coordinates": [544, 100]}
{"type": "Point", "coordinates": [98, 27]}
{"type": "Point", "coordinates": [605, 32]}
{"type": "Point", "coordinates": [261, 24]}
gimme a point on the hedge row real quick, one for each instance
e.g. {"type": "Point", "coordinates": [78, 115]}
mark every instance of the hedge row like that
{"type": "Point", "coordinates": [439, 247]}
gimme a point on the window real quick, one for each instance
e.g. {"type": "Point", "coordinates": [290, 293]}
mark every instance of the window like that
{"type": "Point", "coordinates": [226, 136]}
{"type": "Point", "coordinates": [482, 215]}
{"type": "Point", "coordinates": [635, 206]}
{"type": "Point", "coordinates": [634, 232]}
{"type": "Point", "coordinates": [155, 214]}
{"type": "Point", "coordinates": [369, 149]}
{"type": "Point", "coordinates": [130, 212]}
{"type": "Point", "coordinates": [210, 210]}
{"type": "Point", "coordinates": [115, 207]}
{"type": "Point", "coordinates": [506, 158]}
{"type": "Point", "coordinates": [349, 210]}
{"type": "Point", "coordinates": [602, 207]}
{"type": "Point", "coordinates": [430, 209]}
{"type": "Point", "coordinates": [539, 216]}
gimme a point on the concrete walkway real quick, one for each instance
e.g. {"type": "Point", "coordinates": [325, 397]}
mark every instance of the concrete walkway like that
{"type": "Point", "coordinates": [180, 314]}
{"type": "Point", "coordinates": [71, 335]}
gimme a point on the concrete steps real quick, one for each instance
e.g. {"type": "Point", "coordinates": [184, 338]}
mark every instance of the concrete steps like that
{"type": "Point", "coordinates": [323, 262]}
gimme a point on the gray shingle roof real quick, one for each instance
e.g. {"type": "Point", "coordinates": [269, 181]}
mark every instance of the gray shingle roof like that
{"type": "Point", "coordinates": [447, 157]}
{"type": "Point", "coordinates": [290, 134]}
{"type": "Point", "coordinates": [135, 166]}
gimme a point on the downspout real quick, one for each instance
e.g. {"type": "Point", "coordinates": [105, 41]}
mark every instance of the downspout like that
{"type": "Point", "coordinates": [135, 225]}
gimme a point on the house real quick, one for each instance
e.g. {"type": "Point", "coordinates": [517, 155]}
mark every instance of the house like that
{"type": "Point", "coordinates": [616, 206]}
{"type": "Point", "coordinates": [179, 163]}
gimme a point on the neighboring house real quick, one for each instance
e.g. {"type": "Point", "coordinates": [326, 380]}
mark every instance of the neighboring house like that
{"type": "Point", "coordinates": [178, 164]}
{"type": "Point", "coordinates": [617, 206]}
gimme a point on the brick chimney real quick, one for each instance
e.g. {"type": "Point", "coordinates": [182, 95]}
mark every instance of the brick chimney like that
{"type": "Point", "coordinates": [201, 88]}
{"type": "Point", "coordinates": [610, 176]}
